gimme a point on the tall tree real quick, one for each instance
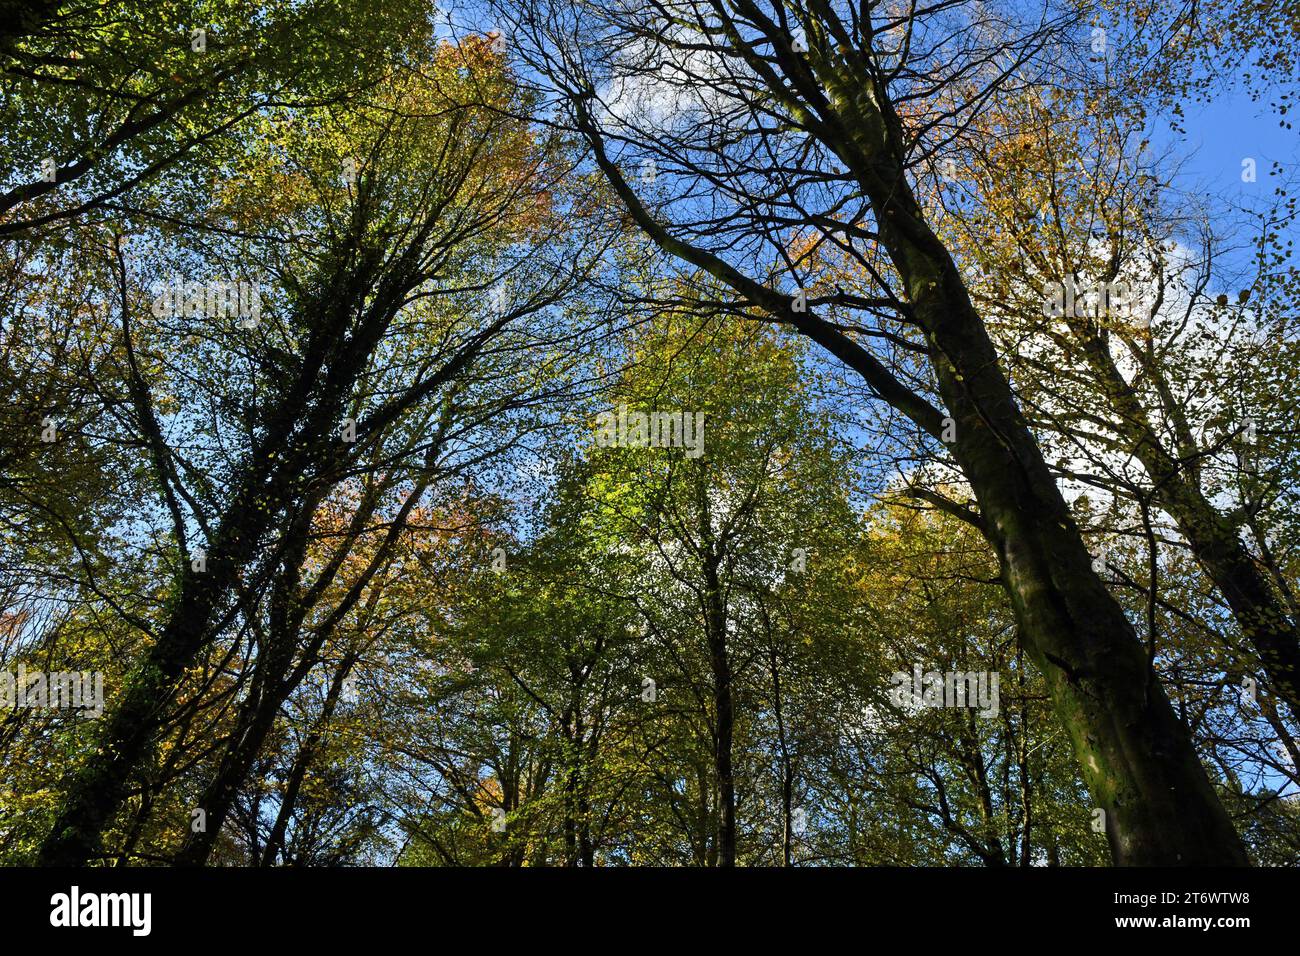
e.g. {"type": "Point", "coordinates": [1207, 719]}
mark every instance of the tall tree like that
{"type": "Point", "coordinates": [416, 228]}
{"type": "Point", "coordinates": [801, 120]}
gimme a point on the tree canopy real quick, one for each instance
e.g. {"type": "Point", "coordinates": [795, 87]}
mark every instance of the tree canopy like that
{"type": "Point", "coordinates": [662, 433]}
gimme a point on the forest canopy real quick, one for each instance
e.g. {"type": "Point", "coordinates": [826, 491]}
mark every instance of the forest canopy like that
{"type": "Point", "coordinates": [691, 433]}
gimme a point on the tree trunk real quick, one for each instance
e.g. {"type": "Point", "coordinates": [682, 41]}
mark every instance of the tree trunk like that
{"type": "Point", "coordinates": [724, 717]}
{"type": "Point", "coordinates": [101, 784]}
{"type": "Point", "coordinates": [302, 763]}
{"type": "Point", "coordinates": [787, 769]}
{"type": "Point", "coordinates": [1260, 611]}
{"type": "Point", "coordinates": [219, 796]}
{"type": "Point", "coordinates": [1137, 759]}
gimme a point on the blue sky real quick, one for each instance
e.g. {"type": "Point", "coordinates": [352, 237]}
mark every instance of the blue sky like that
{"type": "Point", "coordinates": [1221, 133]}
{"type": "Point", "coordinates": [1217, 136]}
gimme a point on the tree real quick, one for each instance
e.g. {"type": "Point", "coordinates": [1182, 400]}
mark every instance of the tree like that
{"type": "Point", "coordinates": [811, 119]}
{"type": "Point", "coordinates": [1146, 359]}
{"type": "Point", "coordinates": [418, 228]}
